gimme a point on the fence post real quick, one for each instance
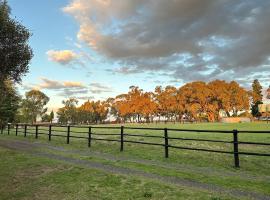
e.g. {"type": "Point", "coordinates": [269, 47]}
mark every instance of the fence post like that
{"type": "Point", "coordinates": [166, 146]}
{"type": "Point", "coordinates": [16, 132]}
{"type": "Point", "coordinates": [89, 136]}
{"type": "Point", "coordinates": [235, 148]}
{"type": "Point", "coordinates": [36, 131]}
{"type": "Point", "coordinates": [8, 128]}
{"type": "Point", "coordinates": [68, 133]}
{"type": "Point", "coordinates": [25, 130]}
{"type": "Point", "coordinates": [2, 129]}
{"type": "Point", "coordinates": [122, 138]}
{"type": "Point", "coordinates": [50, 132]}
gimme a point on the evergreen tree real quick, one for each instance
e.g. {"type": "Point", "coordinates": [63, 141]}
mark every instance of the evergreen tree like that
{"type": "Point", "coordinates": [257, 96]}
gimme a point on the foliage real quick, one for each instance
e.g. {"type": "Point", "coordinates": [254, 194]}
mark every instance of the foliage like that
{"type": "Point", "coordinates": [68, 113]}
{"type": "Point", "coordinates": [256, 95]}
{"type": "Point", "coordinates": [9, 102]}
{"type": "Point", "coordinates": [34, 105]}
{"type": "Point", "coordinates": [15, 53]}
{"type": "Point", "coordinates": [93, 112]}
{"type": "Point", "coordinates": [51, 116]}
{"type": "Point", "coordinates": [195, 100]}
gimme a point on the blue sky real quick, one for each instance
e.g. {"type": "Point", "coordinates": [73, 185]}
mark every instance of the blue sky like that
{"type": "Point", "coordinates": [94, 49]}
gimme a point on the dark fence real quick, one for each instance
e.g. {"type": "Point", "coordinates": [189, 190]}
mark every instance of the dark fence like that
{"type": "Point", "coordinates": [36, 130]}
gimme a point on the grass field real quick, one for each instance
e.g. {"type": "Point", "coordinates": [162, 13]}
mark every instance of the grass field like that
{"type": "Point", "coordinates": [198, 175]}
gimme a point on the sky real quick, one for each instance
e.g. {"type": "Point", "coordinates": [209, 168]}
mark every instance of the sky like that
{"type": "Point", "coordinates": [95, 49]}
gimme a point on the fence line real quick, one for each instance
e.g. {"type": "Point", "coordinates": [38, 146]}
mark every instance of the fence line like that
{"type": "Point", "coordinates": [48, 130]}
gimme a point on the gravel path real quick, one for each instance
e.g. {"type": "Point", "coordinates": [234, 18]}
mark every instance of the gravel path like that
{"type": "Point", "coordinates": [33, 149]}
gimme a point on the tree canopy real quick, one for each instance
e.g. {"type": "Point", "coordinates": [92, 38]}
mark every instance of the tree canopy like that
{"type": "Point", "coordinates": [15, 53]}
{"type": "Point", "coordinates": [34, 105]}
{"type": "Point", "coordinates": [196, 101]}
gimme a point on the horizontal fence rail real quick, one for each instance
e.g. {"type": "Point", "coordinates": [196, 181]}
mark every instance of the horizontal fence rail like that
{"type": "Point", "coordinates": [92, 133]}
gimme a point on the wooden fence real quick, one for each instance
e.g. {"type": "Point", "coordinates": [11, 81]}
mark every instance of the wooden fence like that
{"type": "Point", "coordinates": [37, 130]}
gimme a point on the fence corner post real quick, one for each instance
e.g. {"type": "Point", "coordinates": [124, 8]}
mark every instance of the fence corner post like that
{"type": "Point", "coordinates": [89, 136]}
{"type": "Point", "coordinates": [235, 148]}
{"type": "Point", "coordinates": [68, 133]}
{"type": "Point", "coordinates": [166, 143]}
{"type": "Point", "coordinates": [122, 139]}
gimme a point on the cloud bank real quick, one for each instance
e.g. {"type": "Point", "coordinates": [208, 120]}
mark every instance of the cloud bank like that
{"type": "Point", "coordinates": [190, 39]}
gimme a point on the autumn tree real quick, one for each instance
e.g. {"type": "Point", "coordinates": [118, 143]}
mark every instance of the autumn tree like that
{"type": "Point", "coordinates": [256, 95]}
{"type": "Point", "coordinates": [93, 112]}
{"type": "Point", "coordinates": [166, 100]}
{"type": "Point", "coordinates": [239, 98]}
{"type": "Point", "coordinates": [199, 101]}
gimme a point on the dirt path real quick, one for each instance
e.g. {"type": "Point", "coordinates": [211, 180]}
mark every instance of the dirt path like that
{"type": "Point", "coordinates": [33, 149]}
{"type": "Point", "coordinates": [174, 166]}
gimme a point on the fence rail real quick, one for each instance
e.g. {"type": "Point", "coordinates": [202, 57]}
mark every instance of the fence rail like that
{"type": "Point", "coordinates": [165, 140]}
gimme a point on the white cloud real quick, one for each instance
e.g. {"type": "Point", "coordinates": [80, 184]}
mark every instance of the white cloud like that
{"type": "Point", "coordinates": [63, 57]}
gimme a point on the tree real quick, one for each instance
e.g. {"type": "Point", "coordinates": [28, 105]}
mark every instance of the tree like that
{"type": "Point", "coordinates": [68, 113]}
{"type": "Point", "coordinates": [239, 98]}
{"type": "Point", "coordinates": [9, 102]}
{"type": "Point", "coordinates": [257, 96]}
{"type": "Point", "coordinates": [45, 118]}
{"type": "Point", "coordinates": [15, 53]}
{"type": "Point", "coordinates": [51, 116]}
{"type": "Point", "coordinates": [268, 93]}
{"type": "Point", "coordinates": [34, 105]}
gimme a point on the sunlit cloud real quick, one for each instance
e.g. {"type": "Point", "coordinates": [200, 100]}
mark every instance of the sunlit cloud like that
{"type": "Point", "coordinates": [157, 35]}
{"type": "Point", "coordinates": [63, 57]}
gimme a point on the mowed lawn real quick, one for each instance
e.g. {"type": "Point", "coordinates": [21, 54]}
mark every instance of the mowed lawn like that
{"type": "Point", "coordinates": [208, 175]}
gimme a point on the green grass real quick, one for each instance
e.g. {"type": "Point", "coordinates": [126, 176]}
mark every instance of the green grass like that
{"type": "Point", "coordinates": [209, 168]}
{"type": "Point", "coordinates": [26, 177]}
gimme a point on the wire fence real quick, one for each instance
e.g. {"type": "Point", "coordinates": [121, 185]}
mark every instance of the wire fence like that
{"type": "Point", "coordinates": [121, 135]}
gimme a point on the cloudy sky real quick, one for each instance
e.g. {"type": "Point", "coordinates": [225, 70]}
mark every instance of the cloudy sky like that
{"type": "Point", "coordinates": [93, 49]}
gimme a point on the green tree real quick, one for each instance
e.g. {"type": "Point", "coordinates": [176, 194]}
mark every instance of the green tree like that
{"type": "Point", "coordinates": [68, 113]}
{"type": "Point", "coordinates": [15, 53]}
{"type": "Point", "coordinates": [51, 116]}
{"type": "Point", "coordinates": [45, 118]}
{"type": "Point", "coordinates": [257, 96]}
{"type": "Point", "coordinates": [9, 102]}
{"type": "Point", "coordinates": [34, 105]}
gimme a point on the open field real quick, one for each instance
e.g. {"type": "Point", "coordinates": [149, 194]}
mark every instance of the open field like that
{"type": "Point", "coordinates": [141, 171]}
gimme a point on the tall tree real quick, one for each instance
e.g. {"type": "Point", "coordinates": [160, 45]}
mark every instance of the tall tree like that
{"type": "Point", "coordinates": [34, 105]}
{"type": "Point", "coordinates": [268, 93]}
{"type": "Point", "coordinates": [15, 55]}
{"type": "Point", "coordinates": [257, 96]}
{"type": "Point", "coordinates": [51, 116]}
